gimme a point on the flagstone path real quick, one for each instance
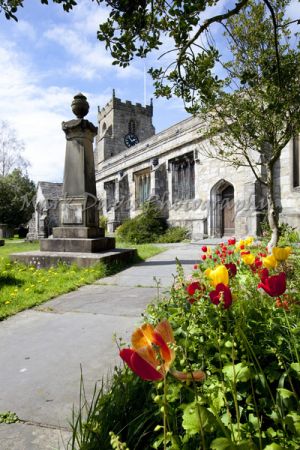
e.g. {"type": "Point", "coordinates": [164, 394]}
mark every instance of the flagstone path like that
{"type": "Point", "coordinates": [42, 349]}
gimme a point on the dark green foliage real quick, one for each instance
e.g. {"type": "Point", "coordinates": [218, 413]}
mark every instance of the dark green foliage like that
{"type": "Point", "coordinates": [17, 193]}
{"type": "Point", "coordinates": [10, 7]}
{"type": "Point", "coordinates": [174, 234]}
{"type": "Point", "coordinates": [126, 408]}
{"type": "Point", "coordinates": [146, 227]}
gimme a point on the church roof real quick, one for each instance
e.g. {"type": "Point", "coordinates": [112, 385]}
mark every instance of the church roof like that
{"type": "Point", "coordinates": [49, 190]}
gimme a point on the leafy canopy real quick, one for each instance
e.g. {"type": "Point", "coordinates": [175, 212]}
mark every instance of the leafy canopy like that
{"type": "Point", "coordinates": [17, 192]}
{"type": "Point", "coordinates": [10, 7]}
{"type": "Point", "coordinates": [257, 105]}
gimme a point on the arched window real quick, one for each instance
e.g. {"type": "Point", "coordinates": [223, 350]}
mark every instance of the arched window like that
{"type": "Point", "coordinates": [296, 161]}
{"type": "Point", "coordinates": [104, 128]}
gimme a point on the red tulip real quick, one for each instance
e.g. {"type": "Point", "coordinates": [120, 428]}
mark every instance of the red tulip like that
{"type": "Point", "coordinates": [263, 273]}
{"type": "Point", "coordinates": [274, 285]}
{"type": "Point", "coordinates": [203, 257]}
{"type": "Point", "coordinates": [195, 266]}
{"type": "Point", "coordinates": [204, 248]}
{"type": "Point", "coordinates": [231, 267]}
{"type": "Point", "coordinates": [231, 241]}
{"type": "Point", "coordinates": [192, 288]}
{"type": "Point", "coordinates": [258, 262]}
{"type": "Point", "coordinates": [222, 293]}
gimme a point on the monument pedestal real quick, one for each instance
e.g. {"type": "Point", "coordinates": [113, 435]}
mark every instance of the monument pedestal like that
{"type": "Point", "coordinates": [90, 245]}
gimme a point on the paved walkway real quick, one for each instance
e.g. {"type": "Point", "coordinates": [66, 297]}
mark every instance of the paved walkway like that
{"type": "Point", "coordinates": [42, 348]}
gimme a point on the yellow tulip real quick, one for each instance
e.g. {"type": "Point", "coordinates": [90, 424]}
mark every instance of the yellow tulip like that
{"type": "Point", "coordinates": [218, 275]}
{"type": "Point", "coordinates": [269, 262]}
{"type": "Point", "coordinates": [249, 240]}
{"type": "Point", "coordinates": [240, 244]}
{"type": "Point", "coordinates": [248, 259]}
{"type": "Point", "coordinates": [281, 254]}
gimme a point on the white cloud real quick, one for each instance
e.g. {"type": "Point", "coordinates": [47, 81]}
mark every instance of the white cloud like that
{"type": "Point", "coordinates": [87, 16]}
{"type": "Point", "coordinates": [87, 58]}
{"type": "Point", "coordinates": [36, 113]}
{"type": "Point", "coordinates": [25, 29]}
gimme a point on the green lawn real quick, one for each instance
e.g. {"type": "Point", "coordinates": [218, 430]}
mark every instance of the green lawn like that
{"type": "Point", "coordinates": [23, 287]}
{"type": "Point", "coordinates": [17, 245]}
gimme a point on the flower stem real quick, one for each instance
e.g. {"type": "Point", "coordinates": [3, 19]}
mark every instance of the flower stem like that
{"type": "Point", "coordinates": [165, 413]}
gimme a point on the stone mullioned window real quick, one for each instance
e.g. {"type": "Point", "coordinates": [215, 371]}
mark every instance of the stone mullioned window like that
{"type": "Point", "coordinates": [110, 188]}
{"type": "Point", "coordinates": [142, 187]}
{"type": "Point", "coordinates": [296, 161]}
{"type": "Point", "coordinates": [183, 177]}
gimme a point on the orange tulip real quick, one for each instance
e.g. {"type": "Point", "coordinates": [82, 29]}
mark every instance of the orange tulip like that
{"type": "Point", "coordinates": [151, 355]}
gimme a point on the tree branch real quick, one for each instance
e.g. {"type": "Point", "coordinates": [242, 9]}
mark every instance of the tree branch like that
{"type": "Point", "coordinates": [206, 25]}
{"type": "Point", "coordinates": [274, 20]}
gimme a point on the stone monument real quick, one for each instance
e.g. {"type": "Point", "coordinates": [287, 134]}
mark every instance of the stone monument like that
{"type": "Point", "coordinates": [78, 229]}
{"type": "Point", "coordinates": [78, 238]}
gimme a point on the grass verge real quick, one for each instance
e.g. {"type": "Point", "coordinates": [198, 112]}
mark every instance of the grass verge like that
{"type": "Point", "coordinates": [23, 287]}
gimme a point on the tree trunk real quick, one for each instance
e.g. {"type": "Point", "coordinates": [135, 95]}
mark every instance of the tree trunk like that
{"type": "Point", "coordinates": [273, 215]}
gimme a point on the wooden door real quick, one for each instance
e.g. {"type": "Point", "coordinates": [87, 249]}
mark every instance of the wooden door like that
{"type": "Point", "coordinates": [228, 226]}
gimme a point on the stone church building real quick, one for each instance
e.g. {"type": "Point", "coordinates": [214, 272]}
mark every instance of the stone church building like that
{"type": "Point", "coordinates": [204, 195]}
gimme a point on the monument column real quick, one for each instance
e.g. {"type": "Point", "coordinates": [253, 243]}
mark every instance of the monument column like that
{"type": "Point", "coordinates": [78, 229]}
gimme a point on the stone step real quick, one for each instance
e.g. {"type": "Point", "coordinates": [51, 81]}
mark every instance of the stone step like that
{"type": "Point", "coordinates": [44, 259]}
{"type": "Point", "coordinates": [77, 245]}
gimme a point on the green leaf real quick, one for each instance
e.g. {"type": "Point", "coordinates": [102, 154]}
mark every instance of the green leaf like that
{"type": "Point", "coordinates": [273, 447]}
{"type": "Point", "coordinates": [222, 444]}
{"type": "Point", "coordinates": [192, 422]}
{"type": "Point", "coordinates": [293, 422]}
{"type": "Point", "coordinates": [237, 372]}
{"type": "Point", "coordinates": [296, 368]}
{"type": "Point", "coordinates": [227, 444]}
{"type": "Point", "coordinates": [285, 393]}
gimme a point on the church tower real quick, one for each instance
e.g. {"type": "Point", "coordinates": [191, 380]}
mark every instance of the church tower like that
{"type": "Point", "coordinates": [122, 125]}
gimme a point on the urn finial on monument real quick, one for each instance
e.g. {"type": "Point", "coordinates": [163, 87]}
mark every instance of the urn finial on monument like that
{"type": "Point", "coordinates": [80, 106]}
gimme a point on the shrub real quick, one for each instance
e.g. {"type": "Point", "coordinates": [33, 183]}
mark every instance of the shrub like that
{"type": "Point", "coordinates": [174, 234]}
{"type": "Point", "coordinates": [146, 227]}
{"type": "Point", "coordinates": [288, 234]}
{"type": "Point", "coordinates": [103, 222]}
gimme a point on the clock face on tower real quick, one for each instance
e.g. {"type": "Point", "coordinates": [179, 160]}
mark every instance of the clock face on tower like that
{"type": "Point", "coordinates": [131, 139]}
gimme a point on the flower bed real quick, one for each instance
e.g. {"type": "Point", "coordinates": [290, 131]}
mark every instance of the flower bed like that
{"type": "Point", "coordinates": [215, 366]}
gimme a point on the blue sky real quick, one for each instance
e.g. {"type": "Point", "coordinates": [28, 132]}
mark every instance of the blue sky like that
{"type": "Point", "coordinates": [46, 58]}
{"type": "Point", "coordinates": [49, 56]}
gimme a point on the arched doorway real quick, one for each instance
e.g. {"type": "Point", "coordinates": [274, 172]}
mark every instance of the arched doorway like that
{"type": "Point", "coordinates": [222, 209]}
